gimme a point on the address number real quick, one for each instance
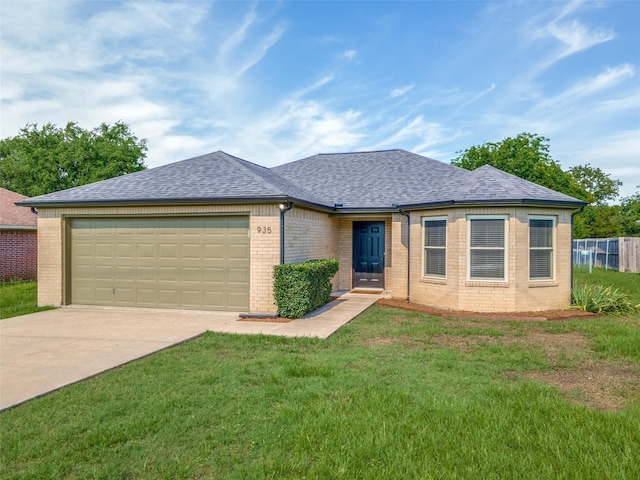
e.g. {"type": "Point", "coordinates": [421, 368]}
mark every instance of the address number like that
{"type": "Point", "coordinates": [264, 229]}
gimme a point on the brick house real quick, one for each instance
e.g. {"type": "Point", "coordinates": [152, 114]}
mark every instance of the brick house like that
{"type": "Point", "coordinates": [18, 239]}
{"type": "Point", "coordinates": [204, 233]}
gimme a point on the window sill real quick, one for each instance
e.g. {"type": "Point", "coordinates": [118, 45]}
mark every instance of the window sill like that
{"type": "Point", "coordinates": [542, 283]}
{"type": "Point", "coordinates": [480, 283]}
{"type": "Point", "coordinates": [438, 281]}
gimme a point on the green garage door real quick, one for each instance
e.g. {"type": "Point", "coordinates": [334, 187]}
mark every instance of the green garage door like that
{"type": "Point", "coordinates": [199, 263]}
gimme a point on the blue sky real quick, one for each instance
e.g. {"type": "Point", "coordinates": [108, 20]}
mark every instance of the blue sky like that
{"type": "Point", "coordinates": [273, 82]}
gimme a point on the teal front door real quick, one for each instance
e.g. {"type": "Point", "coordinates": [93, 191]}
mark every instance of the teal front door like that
{"type": "Point", "coordinates": [368, 255]}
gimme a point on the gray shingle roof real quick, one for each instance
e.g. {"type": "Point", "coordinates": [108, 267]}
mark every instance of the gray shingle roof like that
{"type": "Point", "coordinates": [487, 184]}
{"type": "Point", "coordinates": [215, 176]}
{"type": "Point", "coordinates": [377, 180]}
{"type": "Point", "coordinates": [372, 179]}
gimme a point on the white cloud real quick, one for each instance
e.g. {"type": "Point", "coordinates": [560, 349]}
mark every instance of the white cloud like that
{"type": "Point", "coordinates": [349, 54]}
{"type": "Point", "coordinates": [398, 92]}
{"type": "Point", "coordinates": [576, 37]}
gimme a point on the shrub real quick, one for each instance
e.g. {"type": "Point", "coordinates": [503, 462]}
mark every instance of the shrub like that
{"type": "Point", "coordinates": [602, 299]}
{"type": "Point", "coordinates": [300, 288]}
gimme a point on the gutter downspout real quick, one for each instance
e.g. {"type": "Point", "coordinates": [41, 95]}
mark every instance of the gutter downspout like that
{"type": "Point", "coordinates": [573, 214]}
{"type": "Point", "coordinates": [405, 214]}
{"type": "Point", "coordinates": [284, 208]}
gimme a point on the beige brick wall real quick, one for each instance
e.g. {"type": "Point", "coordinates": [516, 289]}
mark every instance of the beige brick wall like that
{"type": "Point", "coordinates": [310, 235]}
{"type": "Point", "coordinates": [50, 260]}
{"type": "Point", "coordinates": [518, 293]}
{"type": "Point", "coordinates": [264, 246]}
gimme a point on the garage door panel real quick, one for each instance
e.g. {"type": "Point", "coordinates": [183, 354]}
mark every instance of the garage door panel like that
{"type": "Point", "coordinates": [146, 274]}
{"type": "Point", "coordinates": [238, 276]}
{"type": "Point", "coordinates": [104, 272]}
{"type": "Point", "coordinates": [237, 252]}
{"type": "Point", "coordinates": [236, 300]}
{"type": "Point", "coordinates": [168, 262]}
{"type": "Point", "coordinates": [168, 251]}
{"type": "Point", "coordinates": [214, 251]}
{"type": "Point", "coordinates": [125, 296]}
{"type": "Point", "coordinates": [168, 274]}
{"type": "Point", "coordinates": [146, 250]}
{"type": "Point", "coordinates": [84, 249]}
{"type": "Point", "coordinates": [125, 251]}
{"type": "Point", "coordinates": [103, 295]}
{"type": "Point", "coordinates": [146, 297]}
{"type": "Point", "coordinates": [191, 251]}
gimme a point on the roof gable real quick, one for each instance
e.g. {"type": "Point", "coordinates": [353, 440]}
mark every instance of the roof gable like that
{"type": "Point", "coordinates": [13, 216]}
{"type": "Point", "coordinates": [215, 176]}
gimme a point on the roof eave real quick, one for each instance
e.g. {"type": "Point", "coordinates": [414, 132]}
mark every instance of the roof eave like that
{"type": "Point", "coordinates": [502, 203]}
{"type": "Point", "coordinates": [173, 201]}
{"type": "Point", "coordinates": [18, 227]}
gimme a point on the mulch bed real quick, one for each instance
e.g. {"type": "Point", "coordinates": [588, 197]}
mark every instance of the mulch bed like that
{"type": "Point", "coordinates": [539, 316]}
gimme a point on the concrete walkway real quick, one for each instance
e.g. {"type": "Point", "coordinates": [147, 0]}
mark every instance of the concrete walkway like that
{"type": "Point", "coordinates": [44, 351]}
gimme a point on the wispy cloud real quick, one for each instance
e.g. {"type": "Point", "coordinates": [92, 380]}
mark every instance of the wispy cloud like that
{"type": "Point", "coordinates": [398, 92]}
{"type": "Point", "coordinates": [349, 54]}
{"type": "Point", "coordinates": [609, 78]}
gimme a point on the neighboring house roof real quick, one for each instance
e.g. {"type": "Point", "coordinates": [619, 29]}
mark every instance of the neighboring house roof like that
{"type": "Point", "coordinates": [13, 216]}
{"type": "Point", "coordinates": [382, 180]}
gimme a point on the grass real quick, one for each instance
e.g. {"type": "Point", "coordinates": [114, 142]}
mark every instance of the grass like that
{"type": "Point", "coordinates": [628, 283]}
{"type": "Point", "coordinates": [18, 298]}
{"type": "Point", "coordinates": [385, 397]}
{"type": "Point", "coordinates": [393, 394]}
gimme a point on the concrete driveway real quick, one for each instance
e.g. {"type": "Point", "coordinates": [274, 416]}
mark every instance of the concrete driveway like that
{"type": "Point", "coordinates": [44, 351]}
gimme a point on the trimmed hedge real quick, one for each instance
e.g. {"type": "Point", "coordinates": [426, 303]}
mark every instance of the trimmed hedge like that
{"type": "Point", "coordinates": [300, 288]}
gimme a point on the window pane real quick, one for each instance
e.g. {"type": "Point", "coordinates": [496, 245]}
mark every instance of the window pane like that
{"type": "Point", "coordinates": [436, 233]}
{"type": "Point", "coordinates": [487, 264]}
{"type": "Point", "coordinates": [487, 232]}
{"type": "Point", "coordinates": [540, 233]}
{"type": "Point", "coordinates": [540, 263]}
{"type": "Point", "coordinates": [435, 261]}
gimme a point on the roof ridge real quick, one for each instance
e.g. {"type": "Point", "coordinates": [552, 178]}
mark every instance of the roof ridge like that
{"type": "Point", "coordinates": [365, 151]}
{"type": "Point", "coordinates": [240, 162]}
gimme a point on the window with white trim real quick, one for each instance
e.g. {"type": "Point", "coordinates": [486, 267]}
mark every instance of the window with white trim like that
{"type": "Point", "coordinates": [541, 247]}
{"type": "Point", "coordinates": [487, 259]}
{"type": "Point", "coordinates": [435, 247]}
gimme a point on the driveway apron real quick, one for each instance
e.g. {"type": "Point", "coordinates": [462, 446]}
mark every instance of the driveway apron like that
{"type": "Point", "coordinates": [44, 351]}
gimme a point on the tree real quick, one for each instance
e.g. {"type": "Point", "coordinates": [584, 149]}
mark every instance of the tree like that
{"type": "Point", "coordinates": [598, 221]}
{"type": "Point", "coordinates": [630, 215]}
{"type": "Point", "coordinates": [39, 161]}
{"type": "Point", "coordinates": [526, 156]}
{"type": "Point", "coordinates": [598, 184]}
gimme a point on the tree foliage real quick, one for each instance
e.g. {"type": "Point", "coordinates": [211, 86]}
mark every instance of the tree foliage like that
{"type": "Point", "coordinates": [630, 215]}
{"type": "Point", "coordinates": [48, 159]}
{"type": "Point", "coordinates": [525, 156]}
{"type": "Point", "coordinates": [600, 186]}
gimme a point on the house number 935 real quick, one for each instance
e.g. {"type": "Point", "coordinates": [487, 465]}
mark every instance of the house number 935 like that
{"type": "Point", "coordinates": [264, 230]}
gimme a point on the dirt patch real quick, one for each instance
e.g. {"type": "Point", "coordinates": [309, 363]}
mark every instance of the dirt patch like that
{"type": "Point", "coordinates": [575, 369]}
{"type": "Point", "coordinates": [594, 384]}
{"type": "Point", "coordinates": [543, 315]}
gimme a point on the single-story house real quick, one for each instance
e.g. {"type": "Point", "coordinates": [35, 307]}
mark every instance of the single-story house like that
{"type": "Point", "coordinates": [205, 233]}
{"type": "Point", "coordinates": [18, 239]}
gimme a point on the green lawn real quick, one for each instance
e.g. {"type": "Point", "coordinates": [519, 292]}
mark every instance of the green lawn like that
{"type": "Point", "coordinates": [392, 395]}
{"type": "Point", "coordinates": [18, 298]}
{"type": "Point", "coordinates": [625, 282]}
